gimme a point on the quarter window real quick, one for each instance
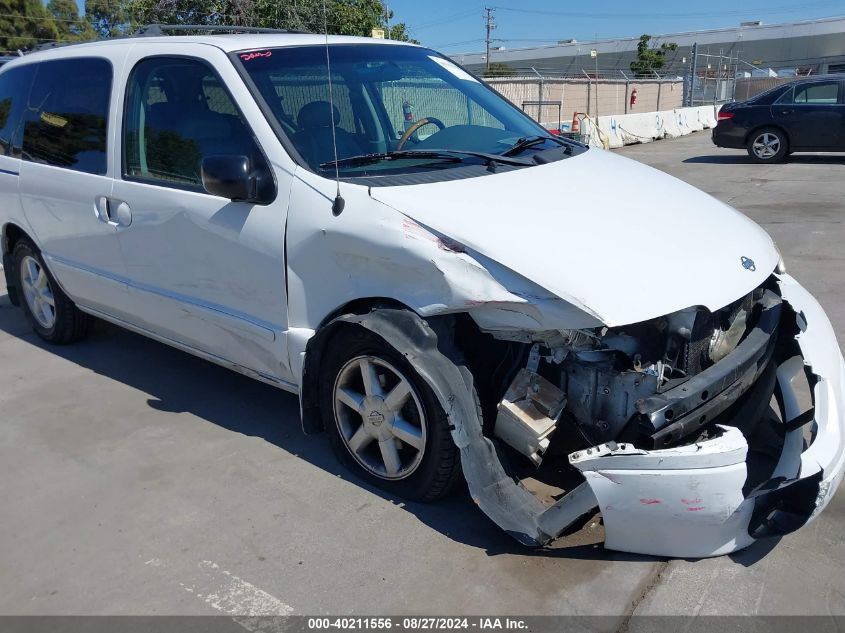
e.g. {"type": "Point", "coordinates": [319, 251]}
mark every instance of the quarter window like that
{"type": "Point", "coordinates": [177, 113]}
{"type": "Point", "coordinates": [64, 123]}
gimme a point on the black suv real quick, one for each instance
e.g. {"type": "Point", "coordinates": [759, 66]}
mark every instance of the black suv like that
{"type": "Point", "coordinates": [807, 115]}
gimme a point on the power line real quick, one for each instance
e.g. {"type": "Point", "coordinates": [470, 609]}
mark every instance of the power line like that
{"type": "Point", "coordinates": [439, 21]}
{"type": "Point", "coordinates": [47, 18]}
{"type": "Point", "coordinates": [450, 44]}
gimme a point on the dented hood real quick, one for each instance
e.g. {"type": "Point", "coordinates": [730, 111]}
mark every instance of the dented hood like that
{"type": "Point", "coordinates": [616, 238]}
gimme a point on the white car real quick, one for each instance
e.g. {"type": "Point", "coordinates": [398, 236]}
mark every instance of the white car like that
{"type": "Point", "coordinates": [452, 291]}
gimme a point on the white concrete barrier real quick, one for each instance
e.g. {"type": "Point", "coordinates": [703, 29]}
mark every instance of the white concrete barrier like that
{"type": "Point", "coordinates": [644, 127]}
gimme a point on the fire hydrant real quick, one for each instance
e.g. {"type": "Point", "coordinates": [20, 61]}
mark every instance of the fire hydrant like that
{"type": "Point", "coordinates": [633, 98]}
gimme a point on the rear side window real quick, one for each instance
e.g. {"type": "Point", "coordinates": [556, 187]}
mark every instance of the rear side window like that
{"type": "Point", "coordinates": [826, 93]}
{"type": "Point", "coordinates": [177, 113]}
{"type": "Point", "coordinates": [65, 120]}
{"type": "Point", "coordinates": [14, 91]}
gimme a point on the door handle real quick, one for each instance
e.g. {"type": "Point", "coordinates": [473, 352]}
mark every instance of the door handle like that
{"type": "Point", "coordinates": [111, 211]}
{"type": "Point", "coordinates": [787, 111]}
{"type": "Point", "coordinates": [121, 213]}
{"type": "Point", "coordinates": [101, 208]}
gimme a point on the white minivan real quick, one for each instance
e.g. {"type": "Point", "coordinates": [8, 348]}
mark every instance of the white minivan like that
{"type": "Point", "coordinates": [454, 293]}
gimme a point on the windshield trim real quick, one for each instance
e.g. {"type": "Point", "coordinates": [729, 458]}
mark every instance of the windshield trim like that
{"type": "Point", "coordinates": [290, 148]}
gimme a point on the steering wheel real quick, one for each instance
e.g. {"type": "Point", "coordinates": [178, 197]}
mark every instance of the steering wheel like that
{"type": "Point", "coordinates": [416, 126]}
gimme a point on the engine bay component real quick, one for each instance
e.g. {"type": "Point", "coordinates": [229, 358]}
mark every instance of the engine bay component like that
{"type": "Point", "coordinates": [528, 414]}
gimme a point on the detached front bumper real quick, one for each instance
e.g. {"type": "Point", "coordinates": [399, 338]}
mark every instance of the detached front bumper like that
{"type": "Point", "coordinates": [694, 500]}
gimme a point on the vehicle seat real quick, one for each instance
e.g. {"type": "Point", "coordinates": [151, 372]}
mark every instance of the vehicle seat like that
{"type": "Point", "coordinates": [314, 139]}
{"type": "Point", "coordinates": [186, 116]}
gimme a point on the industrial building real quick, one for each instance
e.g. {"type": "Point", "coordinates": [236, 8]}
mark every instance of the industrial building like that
{"type": "Point", "coordinates": [812, 46]}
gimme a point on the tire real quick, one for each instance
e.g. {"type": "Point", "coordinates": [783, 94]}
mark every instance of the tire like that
{"type": "Point", "coordinates": [768, 145]}
{"type": "Point", "coordinates": [362, 423]}
{"type": "Point", "coordinates": [53, 316]}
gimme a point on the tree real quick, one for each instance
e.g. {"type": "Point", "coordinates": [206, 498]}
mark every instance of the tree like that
{"type": "Point", "coordinates": [25, 24]}
{"type": "Point", "coordinates": [109, 18]}
{"type": "Point", "coordinates": [498, 69]}
{"type": "Point", "coordinates": [69, 25]}
{"type": "Point", "coordinates": [345, 17]}
{"type": "Point", "coordinates": [650, 58]}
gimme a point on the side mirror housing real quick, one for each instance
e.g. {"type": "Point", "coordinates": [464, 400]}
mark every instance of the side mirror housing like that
{"type": "Point", "coordinates": [232, 177]}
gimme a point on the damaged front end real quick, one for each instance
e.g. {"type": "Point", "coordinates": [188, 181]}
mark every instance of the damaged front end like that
{"type": "Point", "coordinates": [694, 434]}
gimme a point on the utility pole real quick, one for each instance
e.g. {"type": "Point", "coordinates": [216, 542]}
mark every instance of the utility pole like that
{"type": "Point", "coordinates": [490, 23]}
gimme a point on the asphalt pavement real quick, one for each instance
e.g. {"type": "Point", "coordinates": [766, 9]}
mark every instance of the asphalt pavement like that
{"type": "Point", "coordinates": [137, 479]}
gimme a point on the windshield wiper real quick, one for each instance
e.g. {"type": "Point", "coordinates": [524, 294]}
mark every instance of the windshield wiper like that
{"type": "Point", "coordinates": [453, 155]}
{"type": "Point", "coordinates": [527, 142]}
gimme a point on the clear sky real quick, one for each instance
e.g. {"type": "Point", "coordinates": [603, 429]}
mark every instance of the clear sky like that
{"type": "Point", "coordinates": [457, 26]}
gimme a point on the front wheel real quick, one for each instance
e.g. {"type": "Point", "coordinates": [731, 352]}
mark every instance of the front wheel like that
{"type": "Point", "coordinates": [384, 422]}
{"type": "Point", "coordinates": [768, 146]}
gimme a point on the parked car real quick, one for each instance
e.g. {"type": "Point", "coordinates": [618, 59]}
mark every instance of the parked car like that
{"type": "Point", "coordinates": [366, 224]}
{"type": "Point", "coordinates": [801, 116]}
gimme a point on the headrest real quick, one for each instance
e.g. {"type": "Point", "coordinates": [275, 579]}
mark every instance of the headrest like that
{"type": "Point", "coordinates": [317, 114]}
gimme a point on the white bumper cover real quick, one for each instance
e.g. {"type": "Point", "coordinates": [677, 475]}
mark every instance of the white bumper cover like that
{"type": "Point", "coordinates": [689, 501]}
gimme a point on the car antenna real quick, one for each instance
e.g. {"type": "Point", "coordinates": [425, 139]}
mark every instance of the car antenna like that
{"type": "Point", "coordinates": [339, 202]}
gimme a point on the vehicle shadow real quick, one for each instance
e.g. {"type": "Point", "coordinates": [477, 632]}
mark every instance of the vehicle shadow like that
{"type": "Point", "coordinates": [177, 382]}
{"type": "Point", "coordinates": [744, 159]}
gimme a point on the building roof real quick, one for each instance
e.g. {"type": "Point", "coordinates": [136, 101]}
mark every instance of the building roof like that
{"type": "Point", "coordinates": [808, 28]}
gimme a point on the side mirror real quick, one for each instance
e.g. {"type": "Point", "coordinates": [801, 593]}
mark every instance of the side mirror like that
{"type": "Point", "coordinates": [232, 177]}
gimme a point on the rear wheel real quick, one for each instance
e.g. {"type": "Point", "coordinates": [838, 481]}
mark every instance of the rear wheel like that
{"type": "Point", "coordinates": [768, 145]}
{"type": "Point", "coordinates": [384, 421]}
{"type": "Point", "coordinates": [53, 316]}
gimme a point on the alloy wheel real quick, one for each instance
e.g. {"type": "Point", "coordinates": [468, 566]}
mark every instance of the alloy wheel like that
{"type": "Point", "coordinates": [37, 292]}
{"type": "Point", "coordinates": [766, 145]}
{"type": "Point", "coordinates": [380, 418]}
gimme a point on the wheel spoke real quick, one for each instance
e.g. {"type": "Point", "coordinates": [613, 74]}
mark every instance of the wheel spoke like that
{"type": "Point", "coordinates": [40, 280]}
{"type": "Point", "coordinates": [408, 433]}
{"type": "Point", "coordinates": [46, 313]}
{"type": "Point", "coordinates": [47, 297]}
{"type": "Point", "coordinates": [372, 386]}
{"type": "Point", "coordinates": [390, 455]}
{"type": "Point", "coordinates": [31, 271]}
{"type": "Point", "coordinates": [360, 440]}
{"type": "Point", "coordinates": [351, 399]}
{"type": "Point", "coordinates": [398, 396]}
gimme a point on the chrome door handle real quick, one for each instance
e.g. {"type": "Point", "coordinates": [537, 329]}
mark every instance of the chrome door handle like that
{"type": "Point", "coordinates": [101, 208]}
{"type": "Point", "coordinates": [114, 212]}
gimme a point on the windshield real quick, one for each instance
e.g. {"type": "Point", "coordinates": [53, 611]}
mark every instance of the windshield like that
{"type": "Point", "coordinates": [397, 102]}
